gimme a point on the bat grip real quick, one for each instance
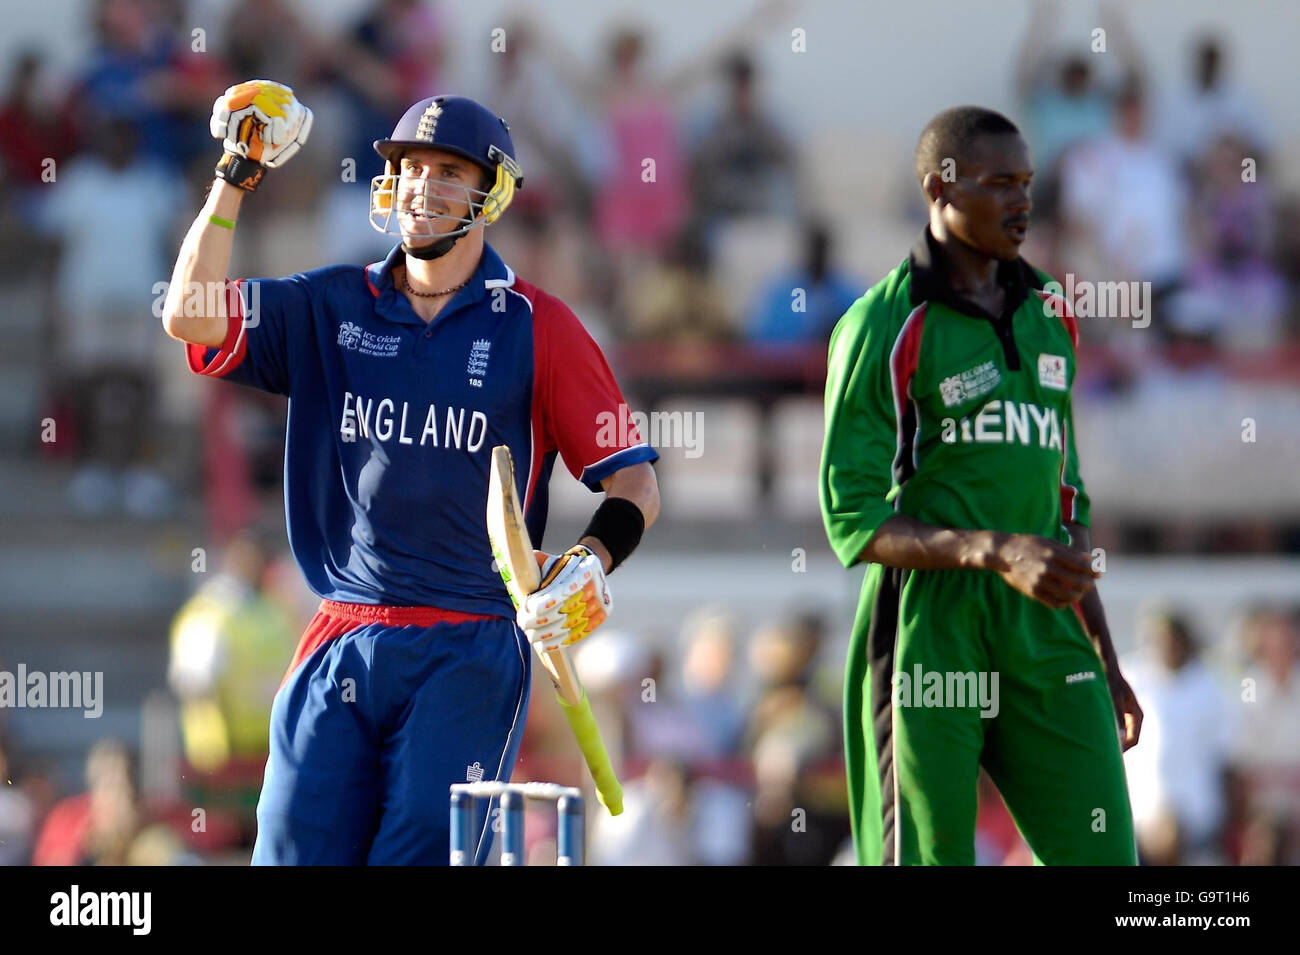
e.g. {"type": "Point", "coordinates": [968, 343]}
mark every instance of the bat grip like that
{"type": "Point", "coordinates": [583, 723]}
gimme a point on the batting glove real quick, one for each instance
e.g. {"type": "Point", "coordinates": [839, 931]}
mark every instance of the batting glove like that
{"type": "Point", "coordinates": [572, 600]}
{"type": "Point", "coordinates": [262, 121]}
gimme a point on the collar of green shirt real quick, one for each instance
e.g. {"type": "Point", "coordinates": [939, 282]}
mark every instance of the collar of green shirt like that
{"type": "Point", "coordinates": [930, 280]}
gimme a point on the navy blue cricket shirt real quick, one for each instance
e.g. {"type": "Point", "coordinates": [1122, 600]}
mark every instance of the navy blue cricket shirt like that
{"type": "Point", "coordinates": [392, 421]}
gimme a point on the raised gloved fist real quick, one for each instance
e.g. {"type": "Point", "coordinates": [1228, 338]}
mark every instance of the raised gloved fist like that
{"type": "Point", "coordinates": [572, 600]}
{"type": "Point", "coordinates": [262, 121]}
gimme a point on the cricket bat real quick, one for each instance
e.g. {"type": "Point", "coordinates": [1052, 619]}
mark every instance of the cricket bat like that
{"type": "Point", "coordinates": [517, 564]}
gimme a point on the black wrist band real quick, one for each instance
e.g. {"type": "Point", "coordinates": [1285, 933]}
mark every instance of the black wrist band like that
{"type": "Point", "coordinates": [618, 524]}
{"type": "Point", "coordinates": [242, 173]}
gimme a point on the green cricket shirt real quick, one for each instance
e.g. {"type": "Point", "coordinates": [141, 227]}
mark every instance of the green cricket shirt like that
{"type": "Point", "coordinates": [941, 411]}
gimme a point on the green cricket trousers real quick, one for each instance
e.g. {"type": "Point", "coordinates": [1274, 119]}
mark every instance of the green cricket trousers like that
{"type": "Point", "coordinates": [952, 670]}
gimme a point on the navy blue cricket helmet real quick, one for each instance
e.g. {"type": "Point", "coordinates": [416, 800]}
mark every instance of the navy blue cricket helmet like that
{"type": "Point", "coordinates": [458, 125]}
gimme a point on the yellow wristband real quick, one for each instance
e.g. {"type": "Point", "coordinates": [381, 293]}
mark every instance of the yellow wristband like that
{"type": "Point", "coordinates": [224, 223]}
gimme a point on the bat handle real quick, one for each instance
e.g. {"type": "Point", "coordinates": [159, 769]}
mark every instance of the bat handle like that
{"type": "Point", "coordinates": [583, 723]}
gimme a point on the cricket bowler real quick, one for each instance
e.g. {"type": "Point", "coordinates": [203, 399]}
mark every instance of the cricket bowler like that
{"type": "Point", "coordinates": [949, 466]}
{"type": "Point", "coordinates": [401, 378]}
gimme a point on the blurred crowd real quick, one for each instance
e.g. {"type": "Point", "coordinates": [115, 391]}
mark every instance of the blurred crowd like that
{"type": "Point", "coordinates": [624, 197]}
{"type": "Point", "coordinates": [228, 649]}
{"type": "Point", "coordinates": [1177, 191]}
{"type": "Point", "coordinates": [655, 196]}
{"type": "Point", "coordinates": [730, 744]}
{"type": "Point", "coordinates": [732, 740]}
{"type": "Point", "coordinates": [640, 179]}
{"type": "Point", "coordinates": [1216, 777]}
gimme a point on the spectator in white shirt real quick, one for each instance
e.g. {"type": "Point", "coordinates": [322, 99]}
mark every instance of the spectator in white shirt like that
{"type": "Point", "coordinates": [112, 211]}
{"type": "Point", "coordinates": [1177, 775]}
{"type": "Point", "coordinates": [1268, 753]}
{"type": "Point", "coordinates": [1124, 199]}
{"type": "Point", "coordinates": [1210, 107]}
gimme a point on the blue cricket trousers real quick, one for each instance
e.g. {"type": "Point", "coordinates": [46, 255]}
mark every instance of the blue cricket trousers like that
{"type": "Point", "coordinates": [382, 710]}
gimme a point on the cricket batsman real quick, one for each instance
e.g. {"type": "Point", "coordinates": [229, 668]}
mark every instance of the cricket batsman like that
{"type": "Point", "coordinates": [401, 378]}
{"type": "Point", "coordinates": [949, 466]}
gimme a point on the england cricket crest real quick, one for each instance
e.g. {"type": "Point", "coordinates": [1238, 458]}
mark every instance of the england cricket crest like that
{"type": "Point", "coordinates": [428, 123]}
{"type": "Point", "coordinates": [478, 362]}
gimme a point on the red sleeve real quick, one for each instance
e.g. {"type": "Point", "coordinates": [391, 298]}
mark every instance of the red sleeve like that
{"type": "Point", "coordinates": [231, 353]}
{"type": "Point", "coordinates": [577, 405]}
{"type": "Point", "coordinates": [1061, 309]}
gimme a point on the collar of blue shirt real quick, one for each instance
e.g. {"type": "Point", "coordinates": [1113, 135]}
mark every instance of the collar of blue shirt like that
{"type": "Point", "coordinates": [491, 273]}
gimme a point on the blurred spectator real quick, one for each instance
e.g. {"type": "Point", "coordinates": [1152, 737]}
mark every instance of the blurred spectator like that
{"type": "Point", "coordinates": [642, 195]}
{"type": "Point", "coordinates": [17, 816]}
{"type": "Point", "coordinates": [131, 51]}
{"type": "Point", "coordinates": [1268, 839]}
{"type": "Point", "coordinates": [106, 337]}
{"type": "Point", "coordinates": [802, 306]}
{"type": "Point", "coordinates": [31, 132]}
{"type": "Point", "coordinates": [791, 735]}
{"type": "Point", "coordinates": [559, 146]}
{"type": "Point", "coordinates": [1288, 245]}
{"type": "Point", "coordinates": [563, 149]}
{"type": "Point", "coordinates": [678, 299]}
{"type": "Point", "coordinates": [997, 840]}
{"type": "Point", "coordinates": [142, 69]}
{"type": "Point", "coordinates": [709, 693]}
{"type": "Point", "coordinates": [392, 57]}
{"type": "Point", "coordinates": [1234, 295]}
{"type": "Point", "coordinates": [555, 248]}
{"type": "Point", "coordinates": [267, 38]}
{"type": "Point", "coordinates": [282, 585]}
{"type": "Point", "coordinates": [654, 828]}
{"type": "Point", "coordinates": [1227, 207]}
{"type": "Point", "coordinates": [614, 670]}
{"type": "Point", "coordinates": [401, 46]}
{"type": "Point", "coordinates": [159, 844]}
{"type": "Point", "coordinates": [1124, 202]}
{"type": "Point", "coordinates": [1268, 752]}
{"type": "Point", "coordinates": [1062, 100]}
{"type": "Point", "coordinates": [1209, 107]}
{"type": "Point", "coordinates": [230, 646]}
{"type": "Point", "coordinates": [658, 725]}
{"type": "Point", "coordinates": [1176, 773]}
{"type": "Point", "coordinates": [743, 165]}
{"type": "Point", "coordinates": [713, 706]}
{"type": "Point", "coordinates": [98, 826]}
{"type": "Point", "coordinates": [243, 457]}
{"type": "Point", "coordinates": [721, 831]}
